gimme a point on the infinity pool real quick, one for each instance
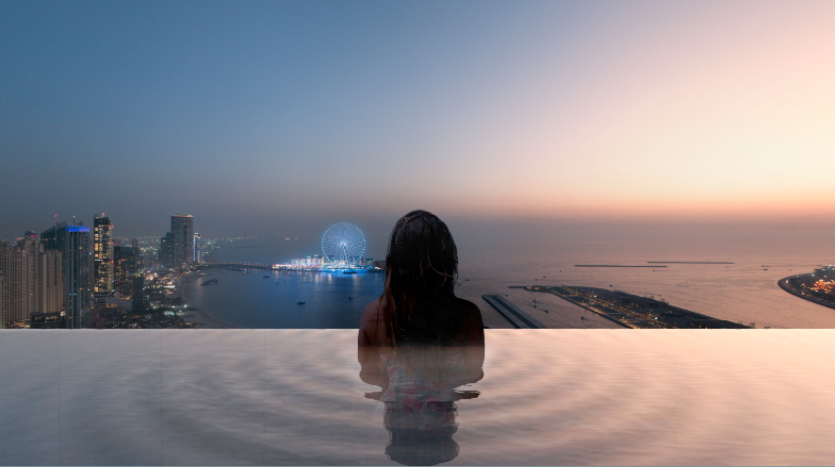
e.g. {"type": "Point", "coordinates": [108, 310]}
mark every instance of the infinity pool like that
{"type": "Point", "coordinates": [233, 397]}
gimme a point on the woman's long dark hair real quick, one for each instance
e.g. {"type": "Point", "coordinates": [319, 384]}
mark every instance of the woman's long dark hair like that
{"type": "Point", "coordinates": [421, 270]}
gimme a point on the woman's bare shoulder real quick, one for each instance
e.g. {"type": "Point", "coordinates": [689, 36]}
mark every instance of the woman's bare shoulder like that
{"type": "Point", "coordinates": [369, 313]}
{"type": "Point", "coordinates": [473, 325]}
{"type": "Point", "coordinates": [469, 308]}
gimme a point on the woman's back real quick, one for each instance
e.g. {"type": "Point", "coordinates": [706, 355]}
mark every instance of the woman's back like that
{"type": "Point", "coordinates": [418, 308]}
{"type": "Point", "coordinates": [468, 331]}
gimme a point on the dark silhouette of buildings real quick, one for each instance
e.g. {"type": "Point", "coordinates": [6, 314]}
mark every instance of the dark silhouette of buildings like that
{"type": "Point", "coordinates": [166, 251]}
{"type": "Point", "coordinates": [47, 321]}
{"type": "Point", "coordinates": [126, 266]}
{"type": "Point", "coordinates": [140, 299]}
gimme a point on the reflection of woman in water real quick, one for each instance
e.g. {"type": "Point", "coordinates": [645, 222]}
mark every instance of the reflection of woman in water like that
{"type": "Point", "coordinates": [419, 342]}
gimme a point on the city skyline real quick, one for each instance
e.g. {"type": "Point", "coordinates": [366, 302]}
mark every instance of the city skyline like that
{"type": "Point", "coordinates": [253, 115]}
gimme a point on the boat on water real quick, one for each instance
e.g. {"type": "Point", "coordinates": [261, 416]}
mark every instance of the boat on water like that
{"type": "Point", "coordinates": [266, 277]}
{"type": "Point", "coordinates": [349, 271]}
{"type": "Point", "coordinates": [350, 297]}
{"type": "Point", "coordinates": [300, 302]}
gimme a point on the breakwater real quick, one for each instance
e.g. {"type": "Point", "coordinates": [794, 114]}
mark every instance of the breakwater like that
{"type": "Point", "coordinates": [633, 311]}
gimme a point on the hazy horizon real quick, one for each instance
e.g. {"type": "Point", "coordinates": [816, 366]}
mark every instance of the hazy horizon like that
{"type": "Point", "coordinates": [282, 117]}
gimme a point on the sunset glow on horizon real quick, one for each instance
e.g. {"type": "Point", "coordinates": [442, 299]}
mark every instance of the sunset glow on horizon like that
{"type": "Point", "coordinates": [587, 109]}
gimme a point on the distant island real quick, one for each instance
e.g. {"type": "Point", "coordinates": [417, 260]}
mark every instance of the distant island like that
{"type": "Point", "coordinates": [689, 262]}
{"type": "Point", "coordinates": [633, 311]}
{"type": "Point", "coordinates": [614, 266]}
{"type": "Point", "coordinates": [817, 287]}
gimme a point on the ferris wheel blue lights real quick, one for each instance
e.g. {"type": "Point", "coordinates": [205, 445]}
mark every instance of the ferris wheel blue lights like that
{"type": "Point", "coordinates": [343, 244]}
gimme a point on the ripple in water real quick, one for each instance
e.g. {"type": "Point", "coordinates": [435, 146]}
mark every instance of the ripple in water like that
{"type": "Point", "coordinates": [580, 397]}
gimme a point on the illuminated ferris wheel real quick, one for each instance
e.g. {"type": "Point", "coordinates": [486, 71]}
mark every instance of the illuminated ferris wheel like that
{"type": "Point", "coordinates": [343, 244]}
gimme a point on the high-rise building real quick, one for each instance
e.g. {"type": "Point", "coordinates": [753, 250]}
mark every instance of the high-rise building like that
{"type": "Point", "coordinates": [50, 281]}
{"type": "Point", "coordinates": [18, 289]}
{"type": "Point", "coordinates": [77, 275]}
{"type": "Point", "coordinates": [2, 314]}
{"type": "Point", "coordinates": [126, 267]}
{"type": "Point", "coordinates": [182, 226]}
{"type": "Point", "coordinates": [198, 249]}
{"type": "Point", "coordinates": [73, 242]}
{"type": "Point", "coordinates": [55, 239]}
{"type": "Point", "coordinates": [32, 279]}
{"type": "Point", "coordinates": [102, 256]}
{"type": "Point", "coordinates": [166, 251]}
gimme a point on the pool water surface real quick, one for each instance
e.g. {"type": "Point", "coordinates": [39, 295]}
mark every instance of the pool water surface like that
{"type": "Point", "coordinates": [579, 397]}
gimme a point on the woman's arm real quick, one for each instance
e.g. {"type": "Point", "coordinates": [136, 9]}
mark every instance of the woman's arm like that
{"type": "Point", "coordinates": [473, 333]}
{"type": "Point", "coordinates": [368, 351]}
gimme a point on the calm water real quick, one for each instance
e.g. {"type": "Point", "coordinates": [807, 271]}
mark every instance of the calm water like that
{"type": "Point", "coordinates": [240, 397]}
{"type": "Point", "coordinates": [495, 256]}
{"type": "Point", "coordinates": [331, 300]}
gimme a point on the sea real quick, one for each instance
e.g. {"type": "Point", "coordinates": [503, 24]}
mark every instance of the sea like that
{"type": "Point", "coordinates": [496, 255]}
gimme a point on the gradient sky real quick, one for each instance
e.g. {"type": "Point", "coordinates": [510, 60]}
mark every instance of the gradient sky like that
{"type": "Point", "coordinates": [253, 115]}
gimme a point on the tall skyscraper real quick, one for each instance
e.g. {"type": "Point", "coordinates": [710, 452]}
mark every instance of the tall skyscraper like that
{"type": "Point", "coordinates": [77, 275]}
{"type": "Point", "coordinates": [126, 267]}
{"type": "Point", "coordinates": [182, 226]}
{"type": "Point", "coordinates": [55, 239]}
{"type": "Point", "coordinates": [166, 251]}
{"type": "Point", "coordinates": [2, 313]}
{"type": "Point", "coordinates": [102, 256]}
{"type": "Point", "coordinates": [18, 268]}
{"type": "Point", "coordinates": [51, 283]}
{"type": "Point", "coordinates": [32, 279]}
{"type": "Point", "coordinates": [198, 249]}
{"type": "Point", "coordinates": [73, 241]}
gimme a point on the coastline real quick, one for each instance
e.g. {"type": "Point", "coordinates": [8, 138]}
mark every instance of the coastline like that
{"type": "Point", "coordinates": [785, 284]}
{"type": "Point", "coordinates": [197, 317]}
